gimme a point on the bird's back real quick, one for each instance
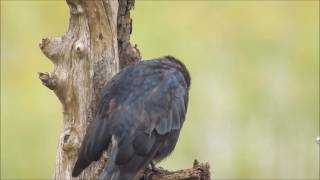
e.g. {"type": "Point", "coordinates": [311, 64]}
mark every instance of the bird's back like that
{"type": "Point", "coordinates": [141, 111]}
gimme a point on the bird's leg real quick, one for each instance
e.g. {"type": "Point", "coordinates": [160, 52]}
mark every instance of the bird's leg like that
{"type": "Point", "coordinates": [147, 172]}
{"type": "Point", "coordinates": [150, 170]}
{"type": "Point", "coordinates": [154, 168]}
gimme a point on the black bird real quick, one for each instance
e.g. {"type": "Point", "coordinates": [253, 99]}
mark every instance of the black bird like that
{"type": "Point", "coordinates": [141, 113]}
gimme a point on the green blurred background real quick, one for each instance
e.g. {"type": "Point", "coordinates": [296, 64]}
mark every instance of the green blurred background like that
{"type": "Point", "coordinates": [254, 101]}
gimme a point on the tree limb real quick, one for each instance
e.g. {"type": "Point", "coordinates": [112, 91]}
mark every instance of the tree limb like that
{"type": "Point", "coordinates": [197, 172]}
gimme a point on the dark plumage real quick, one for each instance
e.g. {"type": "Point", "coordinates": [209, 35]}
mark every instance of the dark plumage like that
{"type": "Point", "coordinates": [141, 113]}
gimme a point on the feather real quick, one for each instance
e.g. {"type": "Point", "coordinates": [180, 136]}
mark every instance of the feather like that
{"type": "Point", "coordinates": [142, 110]}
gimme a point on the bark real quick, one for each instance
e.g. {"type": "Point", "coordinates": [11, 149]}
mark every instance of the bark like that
{"type": "Point", "coordinates": [127, 53]}
{"type": "Point", "coordinates": [84, 59]}
{"type": "Point", "coordinates": [197, 172]}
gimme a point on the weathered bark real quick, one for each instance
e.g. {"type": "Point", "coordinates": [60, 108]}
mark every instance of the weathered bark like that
{"type": "Point", "coordinates": [84, 59]}
{"type": "Point", "coordinates": [197, 172]}
{"type": "Point", "coordinates": [127, 53]}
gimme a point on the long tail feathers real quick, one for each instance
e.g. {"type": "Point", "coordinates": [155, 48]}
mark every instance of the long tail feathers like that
{"type": "Point", "coordinates": [115, 174]}
{"type": "Point", "coordinates": [80, 165]}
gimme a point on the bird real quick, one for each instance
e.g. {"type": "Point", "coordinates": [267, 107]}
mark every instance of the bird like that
{"type": "Point", "coordinates": [138, 118]}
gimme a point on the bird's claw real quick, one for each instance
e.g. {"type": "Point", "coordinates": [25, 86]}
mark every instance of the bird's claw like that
{"type": "Point", "coordinates": [154, 168]}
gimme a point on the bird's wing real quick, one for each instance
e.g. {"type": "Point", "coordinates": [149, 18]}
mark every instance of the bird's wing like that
{"type": "Point", "coordinates": [165, 105]}
{"type": "Point", "coordinates": [136, 103]}
{"type": "Point", "coordinates": [156, 106]}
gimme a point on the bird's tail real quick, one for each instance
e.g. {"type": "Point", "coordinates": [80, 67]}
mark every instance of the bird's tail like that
{"type": "Point", "coordinates": [112, 171]}
{"type": "Point", "coordinates": [115, 173]}
{"type": "Point", "coordinates": [129, 170]}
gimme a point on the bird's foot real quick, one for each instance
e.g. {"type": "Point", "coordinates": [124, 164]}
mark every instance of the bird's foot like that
{"type": "Point", "coordinates": [154, 168]}
{"type": "Point", "coordinates": [150, 170]}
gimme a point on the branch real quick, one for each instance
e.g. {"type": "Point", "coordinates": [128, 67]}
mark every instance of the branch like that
{"type": "Point", "coordinates": [48, 80]}
{"type": "Point", "coordinates": [197, 172]}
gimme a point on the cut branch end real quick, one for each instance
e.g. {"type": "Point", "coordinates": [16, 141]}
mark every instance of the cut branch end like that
{"type": "Point", "coordinates": [48, 80]}
{"type": "Point", "coordinates": [51, 47]}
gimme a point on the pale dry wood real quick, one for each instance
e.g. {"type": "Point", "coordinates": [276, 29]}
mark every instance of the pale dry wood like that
{"type": "Point", "coordinates": [199, 171]}
{"type": "Point", "coordinates": [84, 59]}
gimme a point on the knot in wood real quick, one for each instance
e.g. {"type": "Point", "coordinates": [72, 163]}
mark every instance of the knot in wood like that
{"type": "Point", "coordinates": [70, 141]}
{"type": "Point", "coordinates": [43, 43]}
{"type": "Point", "coordinates": [79, 48]}
{"type": "Point", "coordinates": [75, 7]}
{"type": "Point", "coordinates": [48, 80]}
{"type": "Point", "coordinates": [51, 47]}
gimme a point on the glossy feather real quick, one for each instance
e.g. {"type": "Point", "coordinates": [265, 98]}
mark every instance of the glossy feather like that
{"type": "Point", "coordinates": [141, 111]}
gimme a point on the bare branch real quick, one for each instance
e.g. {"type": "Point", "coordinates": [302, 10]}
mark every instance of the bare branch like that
{"type": "Point", "coordinates": [197, 172]}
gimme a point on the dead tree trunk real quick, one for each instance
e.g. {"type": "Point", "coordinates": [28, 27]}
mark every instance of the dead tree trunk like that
{"type": "Point", "coordinates": [84, 59]}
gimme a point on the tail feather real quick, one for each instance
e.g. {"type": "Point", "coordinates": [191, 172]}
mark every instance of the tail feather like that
{"type": "Point", "coordinates": [128, 170]}
{"type": "Point", "coordinates": [80, 165]}
{"type": "Point", "coordinates": [124, 172]}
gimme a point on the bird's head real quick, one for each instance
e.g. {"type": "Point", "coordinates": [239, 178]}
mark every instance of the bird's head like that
{"type": "Point", "coordinates": [181, 67]}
